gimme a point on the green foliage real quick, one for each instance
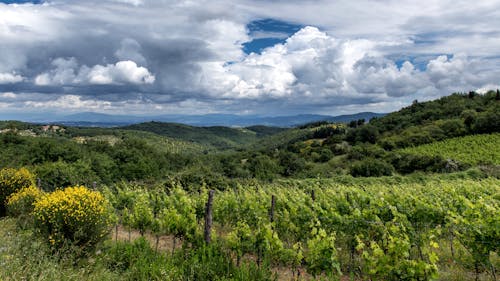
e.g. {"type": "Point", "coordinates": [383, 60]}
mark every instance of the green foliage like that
{"type": "Point", "coordinates": [264, 131]}
{"type": "Point", "coordinates": [448, 107]}
{"type": "Point", "coordinates": [21, 202]}
{"type": "Point", "coordinates": [142, 214]}
{"type": "Point", "coordinates": [263, 167]}
{"type": "Point", "coordinates": [363, 151]}
{"type": "Point", "coordinates": [448, 117]}
{"type": "Point", "coordinates": [366, 133]}
{"type": "Point", "coordinates": [475, 149]}
{"type": "Point", "coordinates": [409, 163]}
{"type": "Point", "coordinates": [328, 130]}
{"type": "Point", "coordinates": [241, 240]}
{"type": "Point", "coordinates": [60, 174]}
{"type": "Point", "coordinates": [291, 164]}
{"type": "Point", "coordinates": [60, 161]}
{"type": "Point", "coordinates": [384, 228]}
{"type": "Point", "coordinates": [390, 258]}
{"type": "Point", "coordinates": [11, 181]}
{"type": "Point", "coordinates": [137, 261]}
{"type": "Point", "coordinates": [487, 122]}
{"type": "Point", "coordinates": [25, 256]}
{"type": "Point", "coordinates": [217, 136]}
{"type": "Point", "coordinates": [153, 151]}
{"type": "Point", "coordinates": [322, 254]}
{"type": "Point", "coordinates": [371, 168]}
{"type": "Point", "coordinates": [478, 229]}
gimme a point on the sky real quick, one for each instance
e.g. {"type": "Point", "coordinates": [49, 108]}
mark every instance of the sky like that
{"type": "Point", "coordinates": [263, 57]}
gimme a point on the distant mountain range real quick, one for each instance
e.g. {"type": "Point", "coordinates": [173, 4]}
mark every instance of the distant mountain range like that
{"type": "Point", "coordinates": [92, 119]}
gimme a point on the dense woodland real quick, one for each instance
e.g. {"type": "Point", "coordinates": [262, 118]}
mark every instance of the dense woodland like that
{"type": "Point", "coordinates": [412, 195]}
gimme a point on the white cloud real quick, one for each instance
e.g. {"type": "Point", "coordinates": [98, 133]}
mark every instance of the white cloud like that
{"type": "Point", "coordinates": [443, 70]}
{"type": "Point", "coordinates": [64, 73]}
{"type": "Point", "coordinates": [310, 63]}
{"type": "Point", "coordinates": [312, 67]}
{"type": "Point", "coordinates": [132, 2]}
{"type": "Point", "coordinates": [8, 95]}
{"type": "Point", "coordinates": [9, 78]}
{"type": "Point", "coordinates": [374, 75]}
{"type": "Point", "coordinates": [70, 102]}
{"type": "Point", "coordinates": [225, 38]}
{"type": "Point", "coordinates": [123, 72]}
{"type": "Point", "coordinates": [488, 87]}
{"type": "Point", "coordinates": [67, 72]}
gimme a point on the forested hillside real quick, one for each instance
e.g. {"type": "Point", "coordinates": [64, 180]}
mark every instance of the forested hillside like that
{"type": "Point", "coordinates": [218, 155]}
{"type": "Point", "coordinates": [217, 136]}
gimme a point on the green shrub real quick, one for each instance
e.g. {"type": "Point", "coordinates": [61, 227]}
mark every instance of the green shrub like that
{"type": "Point", "coordinates": [21, 204]}
{"type": "Point", "coordinates": [371, 168]}
{"type": "Point", "coordinates": [263, 167]}
{"type": "Point", "coordinates": [11, 181]}
{"type": "Point", "coordinates": [409, 163]}
{"type": "Point", "coordinates": [61, 174]}
{"type": "Point", "coordinates": [487, 122]}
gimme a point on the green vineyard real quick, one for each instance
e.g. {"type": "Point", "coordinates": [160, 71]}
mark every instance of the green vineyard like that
{"type": "Point", "coordinates": [381, 231]}
{"type": "Point", "coordinates": [474, 149]}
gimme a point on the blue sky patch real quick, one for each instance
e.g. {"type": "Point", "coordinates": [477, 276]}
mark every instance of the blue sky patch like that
{"type": "Point", "coordinates": [419, 63]}
{"type": "Point", "coordinates": [267, 33]}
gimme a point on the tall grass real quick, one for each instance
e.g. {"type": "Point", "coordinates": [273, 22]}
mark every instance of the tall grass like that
{"type": "Point", "coordinates": [23, 256]}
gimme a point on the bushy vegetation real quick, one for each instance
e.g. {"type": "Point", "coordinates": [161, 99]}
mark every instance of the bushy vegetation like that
{"type": "Point", "coordinates": [21, 203]}
{"type": "Point", "coordinates": [74, 216]}
{"type": "Point", "coordinates": [217, 136]}
{"type": "Point", "coordinates": [371, 168]}
{"type": "Point", "coordinates": [11, 181]}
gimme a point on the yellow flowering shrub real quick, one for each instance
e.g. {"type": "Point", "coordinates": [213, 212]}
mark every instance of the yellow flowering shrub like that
{"type": "Point", "coordinates": [74, 215]}
{"type": "Point", "coordinates": [12, 180]}
{"type": "Point", "coordinates": [21, 202]}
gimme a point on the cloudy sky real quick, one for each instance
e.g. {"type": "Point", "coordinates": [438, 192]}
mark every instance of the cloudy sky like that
{"type": "Point", "coordinates": [267, 57]}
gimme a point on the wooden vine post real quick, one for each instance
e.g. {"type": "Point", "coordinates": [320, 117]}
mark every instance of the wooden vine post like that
{"type": "Point", "coordinates": [273, 206]}
{"type": "Point", "coordinates": [208, 217]}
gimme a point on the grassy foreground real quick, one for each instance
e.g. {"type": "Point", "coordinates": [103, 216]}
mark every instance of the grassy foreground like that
{"type": "Point", "coordinates": [23, 256]}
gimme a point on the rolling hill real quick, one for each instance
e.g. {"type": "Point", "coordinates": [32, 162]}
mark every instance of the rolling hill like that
{"type": "Point", "coordinates": [217, 136]}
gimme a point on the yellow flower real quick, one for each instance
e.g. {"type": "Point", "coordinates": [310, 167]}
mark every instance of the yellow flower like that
{"type": "Point", "coordinates": [75, 213]}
